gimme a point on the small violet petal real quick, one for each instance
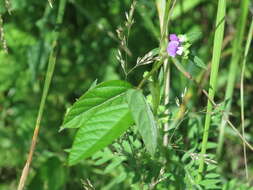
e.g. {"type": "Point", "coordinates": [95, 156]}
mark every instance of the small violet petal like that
{"type": "Point", "coordinates": [172, 48]}
{"type": "Point", "coordinates": [173, 37]}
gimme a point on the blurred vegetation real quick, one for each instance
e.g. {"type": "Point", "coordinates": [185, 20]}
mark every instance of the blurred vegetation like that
{"type": "Point", "coordinates": [87, 52]}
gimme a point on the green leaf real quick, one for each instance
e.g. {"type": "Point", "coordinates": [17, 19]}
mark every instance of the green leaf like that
{"type": "Point", "coordinates": [211, 167]}
{"type": "Point", "coordinates": [199, 62]}
{"type": "Point", "coordinates": [194, 34]}
{"type": "Point", "coordinates": [210, 183]}
{"type": "Point", "coordinates": [102, 115]}
{"type": "Point", "coordinates": [211, 145]}
{"type": "Point", "coordinates": [144, 118]}
{"type": "Point", "coordinates": [212, 175]}
{"type": "Point", "coordinates": [94, 84]}
{"type": "Point", "coordinates": [115, 163]}
{"type": "Point", "coordinates": [94, 99]}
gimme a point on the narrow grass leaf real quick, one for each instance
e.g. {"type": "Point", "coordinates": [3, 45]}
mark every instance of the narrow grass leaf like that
{"type": "Point", "coordinates": [217, 47]}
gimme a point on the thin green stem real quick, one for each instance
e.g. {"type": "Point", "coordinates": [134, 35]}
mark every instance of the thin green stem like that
{"type": "Point", "coordinates": [218, 38]}
{"type": "Point", "coordinates": [49, 74]}
{"type": "Point", "coordinates": [164, 21]}
{"type": "Point", "coordinates": [154, 85]}
{"type": "Point", "coordinates": [249, 39]}
{"type": "Point", "coordinates": [233, 69]}
{"type": "Point", "coordinates": [166, 98]}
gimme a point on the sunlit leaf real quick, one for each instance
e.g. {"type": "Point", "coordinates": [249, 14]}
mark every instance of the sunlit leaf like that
{"type": "Point", "coordinates": [99, 96]}
{"type": "Point", "coordinates": [102, 115]}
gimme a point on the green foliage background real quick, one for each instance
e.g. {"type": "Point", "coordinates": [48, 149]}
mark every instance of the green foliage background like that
{"type": "Point", "coordinates": [86, 52]}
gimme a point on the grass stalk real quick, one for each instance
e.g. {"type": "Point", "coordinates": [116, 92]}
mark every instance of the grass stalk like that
{"type": "Point", "coordinates": [49, 74]}
{"type": "Point", "coordinates": [233, 69]}
{"type": "Point", "coordinates": [218, 38]}
{"type": "Point", "coordinates": [249, 39]}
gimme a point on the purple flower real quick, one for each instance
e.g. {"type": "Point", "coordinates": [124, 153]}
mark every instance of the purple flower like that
{"type": "Point", "coordinates": [174, 47]}
{"type": "Point", "coordinates": [173, 37]}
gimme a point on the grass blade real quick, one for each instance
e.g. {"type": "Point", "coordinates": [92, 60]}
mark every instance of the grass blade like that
{"type": "Point", "coordinates": [236, 55]}
{"type": "Point", "coordinates": [249, 39]}
{"type": "Point", "coordinates": [218, 38]}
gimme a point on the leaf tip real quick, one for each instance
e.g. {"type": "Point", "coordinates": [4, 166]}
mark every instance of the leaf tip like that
{"type": "Point", "coordinates": [61, 129]}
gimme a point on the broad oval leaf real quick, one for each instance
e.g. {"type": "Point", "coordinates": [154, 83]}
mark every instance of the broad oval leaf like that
{"type": "Point", "coordinates": [102, 115]}
{"type": "Point", "coordinates": [143, 118]}
{"type": "Point", "coordinates": [96, 97]}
